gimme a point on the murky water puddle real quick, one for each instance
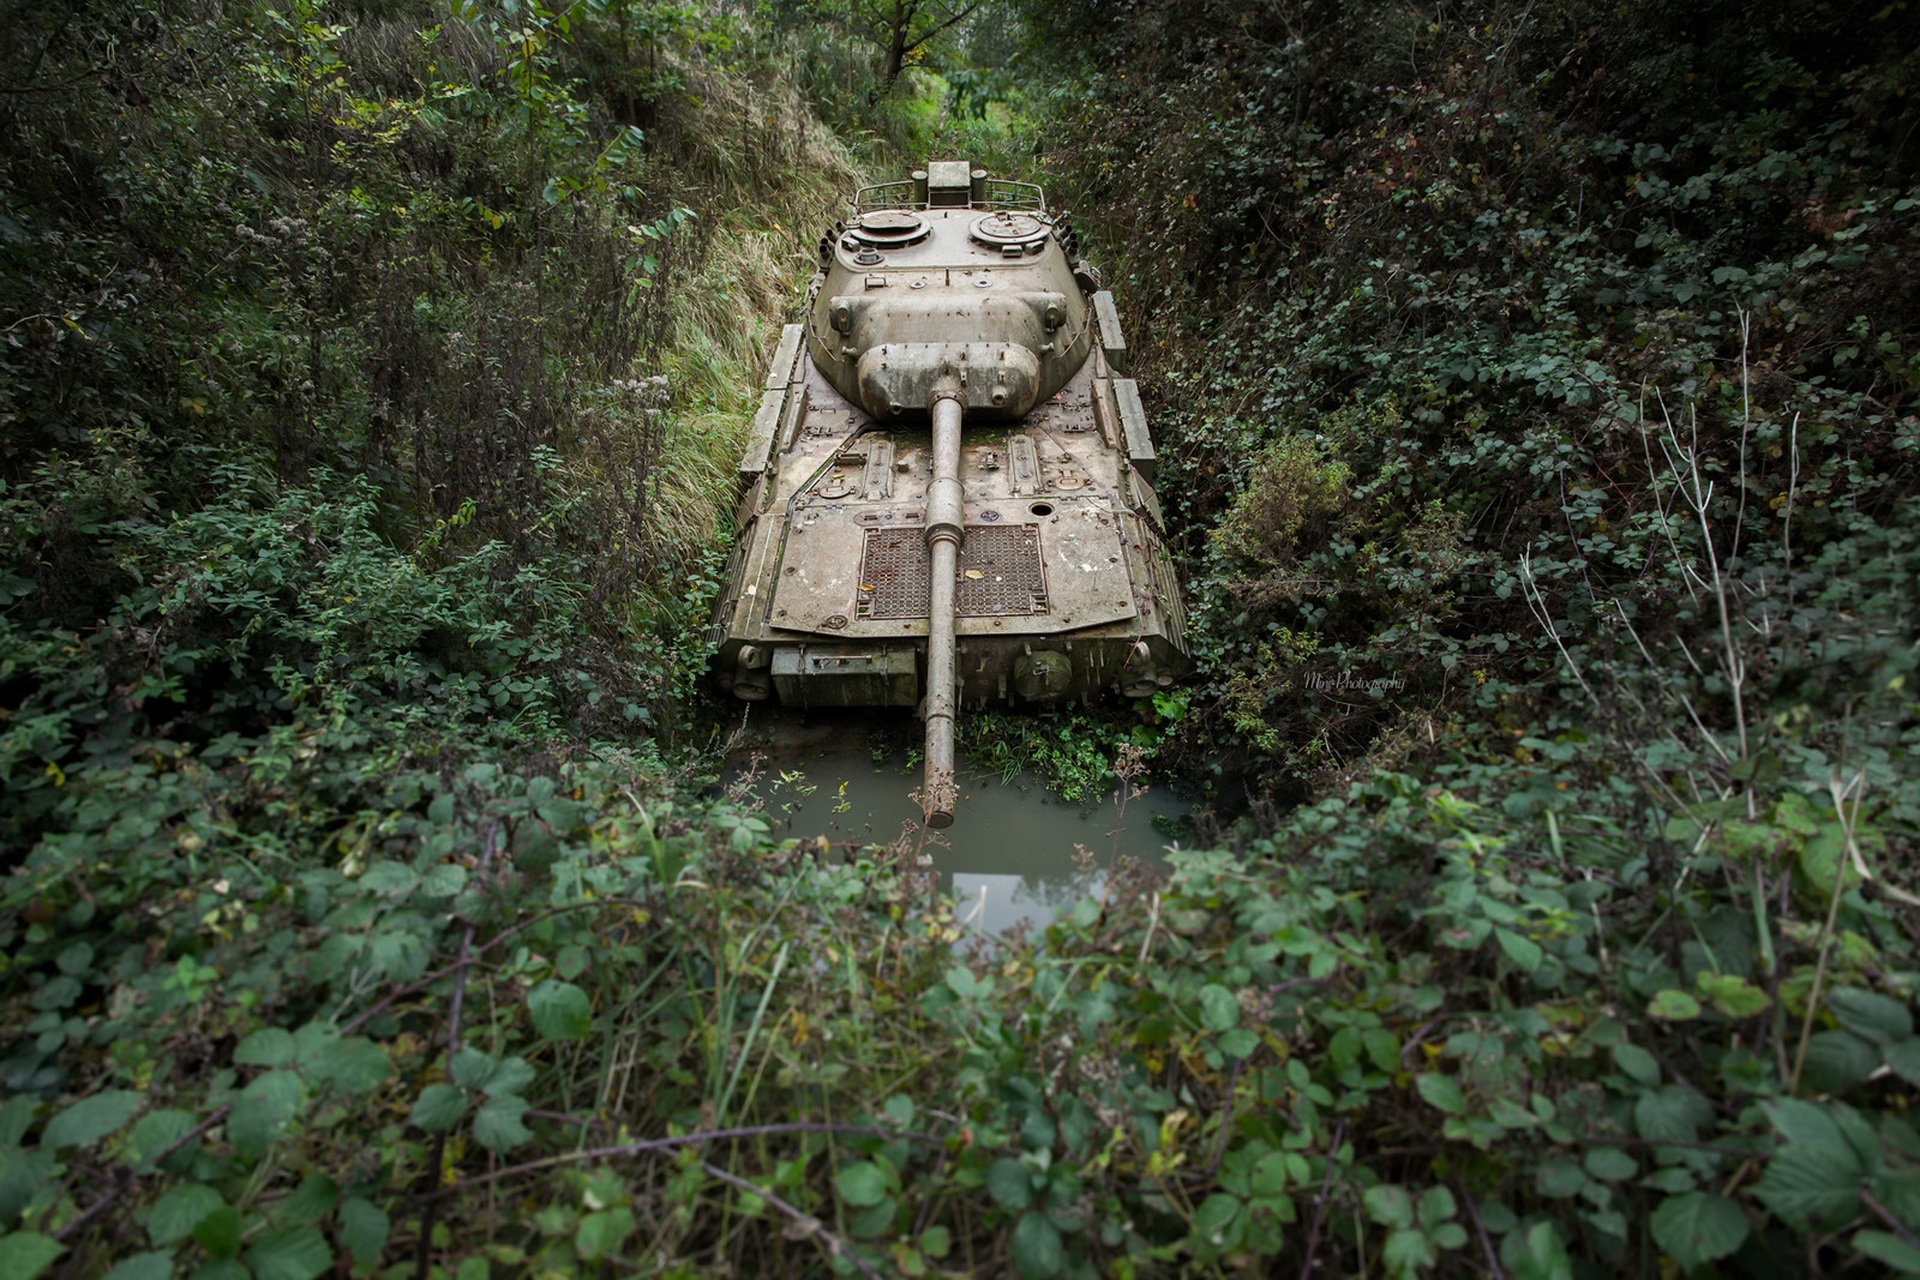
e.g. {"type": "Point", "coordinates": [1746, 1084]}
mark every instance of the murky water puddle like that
{"type": "Point", "coordinates": [1014, 853]}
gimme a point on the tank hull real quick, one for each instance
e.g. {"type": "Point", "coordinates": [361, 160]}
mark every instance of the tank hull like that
{"type": "Point", "coordinates": [1063, 589]}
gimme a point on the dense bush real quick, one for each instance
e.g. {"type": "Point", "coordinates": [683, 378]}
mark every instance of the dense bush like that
{"type": "Point", "coordinates": [1535, 399]}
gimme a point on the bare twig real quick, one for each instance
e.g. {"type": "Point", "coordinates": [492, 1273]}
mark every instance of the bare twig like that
{"type": "Point", "coordinates": [835, 1245]}
{"type": "Point", "coordinates": [1320, 1203]}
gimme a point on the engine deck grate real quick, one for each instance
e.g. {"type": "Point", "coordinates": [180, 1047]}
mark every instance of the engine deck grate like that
{"type": "Point", "coordinates": [1000, 575]}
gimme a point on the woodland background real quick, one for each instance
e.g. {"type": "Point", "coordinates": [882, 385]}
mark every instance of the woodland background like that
{"type": "Point", "coordinates": [1535, 393]}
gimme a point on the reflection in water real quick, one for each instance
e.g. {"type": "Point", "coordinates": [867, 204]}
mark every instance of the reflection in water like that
{"type": "Point", "coordinates": [1013, 853]}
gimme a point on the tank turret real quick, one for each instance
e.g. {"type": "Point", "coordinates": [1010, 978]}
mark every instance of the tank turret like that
{"type": "Point", "coordinates": [948, 486]}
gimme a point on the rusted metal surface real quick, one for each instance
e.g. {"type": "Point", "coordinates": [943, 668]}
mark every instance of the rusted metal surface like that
{"type": "Point", "coordinates": [950, 289]}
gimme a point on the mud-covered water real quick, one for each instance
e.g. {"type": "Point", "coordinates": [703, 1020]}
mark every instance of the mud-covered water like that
{"type": "Point", "coordinates": [1013, 853]}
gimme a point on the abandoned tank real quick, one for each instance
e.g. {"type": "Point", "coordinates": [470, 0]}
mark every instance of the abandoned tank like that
{"type": "Point", "coordinates": [948, 488]}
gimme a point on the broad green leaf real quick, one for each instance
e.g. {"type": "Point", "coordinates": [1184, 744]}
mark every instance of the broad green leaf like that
{"type": "Point", "coordinates": [1609, 1164]}
{"type": "Point", "coordinates": [364, 1228]}
{"type": "Point", "coordinates": [1009, 1183]}
{"type": "Point", "coordinates": [439, 1106]}
{"type": "Point", "coordinates": [1637, 1063]}
{"type": "Point", "coordinates": [601, 1234]}
{"type": "Point", "coordinates": [1442, 1093]}
{"type": "Point", "coordinates": [510, 1076]}
{"type": "Point", "coordinates": [1219, 1011]}
{"type": "Point", "coordinates": [156, 1132]}
{"type": "Point", "coordinates": [1884, 1246]}
{"type": "Point", "coordinates": [561, 1011]}
{"type": "Point", "coordinates": [1904, 1058]}
{"type": "Point", "coordinates": [863, 1183]}
{"type": "Point", "coordinates": [175, 1214]}
{"type": "Point", "coordinates": [1674, 1006]}
{"type": "Point", "coordinates": [1536, 1254]}
{"type": "Point", "coordinates": [263, 1111]}
{"type": "Point", "coordinates": [1037, 1250]}
{"type": "Point", "coordinates": [143, 1266]}
{"type": "Point", "coordinates": [1389, 1205]}
{"type": "Point", "coordinates": [1838, 1060]}
{"type": "Point", "coordinates": [1674, 1113]}
{"type": "Point", "coordinates": [267, 1047]}
{"type": "Point", "coordinates": [1525, 953]}
{"type": "Point", "coordinates": [220, 1231]}
{"type": "Point", "coordinates": [351, 1064]}
{"type": "Point", "coordinates": [1560, 1178]}
{"type": "Point", "coordinates": [16, 1117]}
{"type": "Point", "coordinates": [90, 1119]}
{"type": "Point", "coordinates": [25, 1254]}
{"type": "Point", "coordinates": [1872, 1016]}
{"type": "Point", "coordinates": [1814, 1175]}
{"type": "Point", "coordinates": [1239, 1043]}
{"type": "Point", "coordinates": [473, 1067]}
{"type": "Point", "coordinates": [1269, 1175]}
{"type": "Point", "coordinates": [1437, 1206]}
{"type": "Point", "coordinates": [298, 1253]}
{"type": "Point", "coordinates": [497, 1126]}
{"type": "Point", "coordinates": [1214, 1219]}
{"type": "Point", "coordinates": [1699, 1227]}
{"type": "Point", "coordinates": [1408, 1253]}
{"type": "Point", "coordinates": [1731, 995]}
{"type": "Point", "coordinates": [444, 881]}
{"type": "Point", "coordinates": [311, 1201]}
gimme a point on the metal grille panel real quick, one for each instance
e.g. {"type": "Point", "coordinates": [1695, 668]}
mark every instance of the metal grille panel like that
{"type": "Point", "coordinates": [1000, 573]}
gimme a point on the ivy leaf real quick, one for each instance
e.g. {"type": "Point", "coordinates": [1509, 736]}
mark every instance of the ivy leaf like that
{"type": "Point", "coordinates": [299, 1253]}
{"type": "Point", "coordinates": [25, 1254]}
{"type": "Point", "coordinates": [1698, 1227]}
{"type": "Point", "coordinates": [90, 1119]}
{"type": "Point", "coordinates": [561, 1010]}
{"type": "Point", "coordinates": [497, 1127]}
{"type": "Point", "coordinates": [263, 1111]}
{"type": "Point", "coordinates": [439, 1107]}
{"type": "Point", "coordinates": [1037, 1250]}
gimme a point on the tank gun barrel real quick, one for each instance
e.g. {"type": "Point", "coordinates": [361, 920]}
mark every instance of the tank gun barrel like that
{"type": "Point", "coordinates": [945, 532]}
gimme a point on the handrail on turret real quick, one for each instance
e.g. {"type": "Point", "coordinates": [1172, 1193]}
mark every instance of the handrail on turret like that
{"type": "Point", "coordinates": [1000, 193]}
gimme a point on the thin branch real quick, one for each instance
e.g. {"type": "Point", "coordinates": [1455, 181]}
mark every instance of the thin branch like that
{"type": "Point", "coordinates": [835, 1245]}
{"type": "Point", "coordinates": [647, 1145]}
